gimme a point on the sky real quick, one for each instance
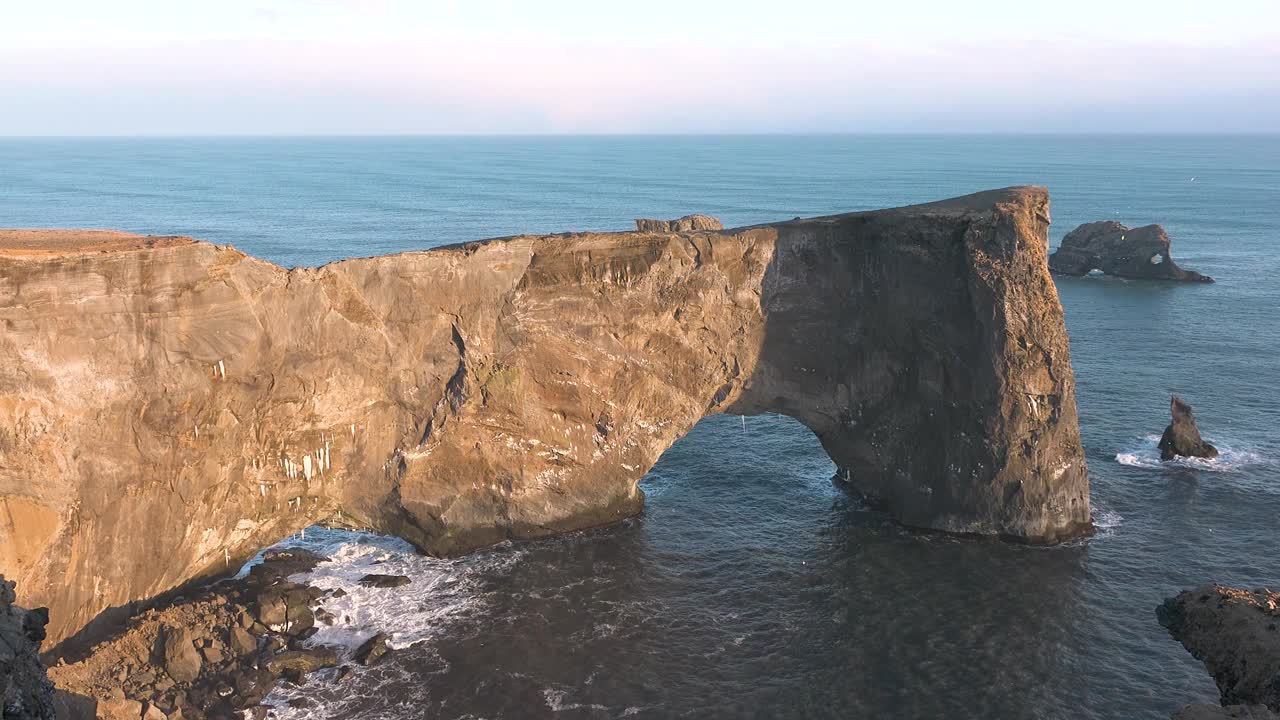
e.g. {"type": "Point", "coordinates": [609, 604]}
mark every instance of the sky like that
{"type": "Point", "coordinates": [322, 67]}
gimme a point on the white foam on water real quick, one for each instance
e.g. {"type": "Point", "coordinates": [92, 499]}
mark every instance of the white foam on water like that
{"type": "Point", "coordinates": [1105, 522]}
{"type": "Point", "coordinates": [557, 701]}
{"type": "Point", "coordinates": [1146, 454]}
{"type": "Point", "coordinates": [439, 591]}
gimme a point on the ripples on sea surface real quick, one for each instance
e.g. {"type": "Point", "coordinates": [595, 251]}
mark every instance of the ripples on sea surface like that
{"type": "Point", "coordinates": [751, 587]}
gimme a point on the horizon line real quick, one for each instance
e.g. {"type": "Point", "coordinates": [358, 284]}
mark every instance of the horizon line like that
{"type": "Point", "coordinates": [692, 134]}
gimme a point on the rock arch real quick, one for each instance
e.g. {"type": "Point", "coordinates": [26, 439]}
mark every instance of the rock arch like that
{"type": "Point", "coordinates": [168, 407]}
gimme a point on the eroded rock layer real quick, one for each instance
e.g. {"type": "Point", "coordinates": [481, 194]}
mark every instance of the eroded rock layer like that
{"type": "Point", "coordinates": [168, 407]}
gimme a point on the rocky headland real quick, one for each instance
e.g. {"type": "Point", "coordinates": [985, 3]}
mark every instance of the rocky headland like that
{"type": "Point", "coordinates": [1181, 437]}
{"type": "Point", "coordinates": [168, 407]}
{"type": "Point", "coordinates": [1121, 251]}
{"type": "Point", "coordinates": [1236, 633]}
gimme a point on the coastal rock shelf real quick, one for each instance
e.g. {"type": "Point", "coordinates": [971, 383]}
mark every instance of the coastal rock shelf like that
{"type": "Point", "coordinates": [168, 407]}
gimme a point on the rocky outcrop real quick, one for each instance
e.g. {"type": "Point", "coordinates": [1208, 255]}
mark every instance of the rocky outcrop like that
{"type": "Point", "coordinates": [168, 407]}
{"type": "Point", "coordinates": [1200, 711]}
{"type": "Point", "coordinates": [1122, 251]}
{"type": "Point", "coordinates": [688, 223]}
{"type": "Point", "coordinates": [1237, 635]}
{"type": "Point", "coordinates": [210, 653]}
{"type": "Point", "coordinates": [1182, 438]}
{"type": "Point", "coordinates": [24, 690]}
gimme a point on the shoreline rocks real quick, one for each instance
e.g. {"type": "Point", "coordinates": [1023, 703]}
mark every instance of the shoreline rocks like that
{"type": "Point", "coordinates": [375, 580]}
{"type": "Point", "coordinates": [1141, 253]}
{"type": "Point", "coordinates": [1182, 437]}
{"type": "Point", "coordinates": [25, 690]}
{"type": "Point", "coordinates": [213, 654]}
{"type": "Point", "coordinates": [1236, 633]}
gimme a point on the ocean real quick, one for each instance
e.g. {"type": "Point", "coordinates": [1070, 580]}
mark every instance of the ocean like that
{"type": "Point", "coordinates": [751, 586]}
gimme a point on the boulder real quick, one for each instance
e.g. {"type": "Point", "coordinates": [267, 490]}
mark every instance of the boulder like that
{"type": "Point", "coordinates": [688, 223]}
{"type": "Point", "coordinates": [302, 662]}
{"type": "Point", "coordinates": [286, 607]}
{"type": "Point", "coordinates": [181, 659]}
{"type": "Point", "coordinates": [372, 651]}
{"type": "Point", "coordinates": [119, 709]}
{"type": "Point", "coordinates": [1182, 438]}
{"type": "Point", "coordinates": [375, 580]}
{"type": "Point", "coordinates": [1122, 251]}
{"type": "Point", "coordinates": [241, 642]}
{"type": "Point", "coordinates": [1236, 633]}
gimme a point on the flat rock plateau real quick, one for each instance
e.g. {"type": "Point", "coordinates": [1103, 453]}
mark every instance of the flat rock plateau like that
{"type": "Point", "coordinates": [169, 407]}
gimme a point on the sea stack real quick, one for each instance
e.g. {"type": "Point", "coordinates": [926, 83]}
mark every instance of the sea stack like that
{"type": "Point", "coordinates": [514, 388]}
{"type": "Point", "coordinates": [1119, 250]}
{"type": "Point", "coordinates": [1237, 635]}
{"type": "Point", "coordinates": [1182, 437]}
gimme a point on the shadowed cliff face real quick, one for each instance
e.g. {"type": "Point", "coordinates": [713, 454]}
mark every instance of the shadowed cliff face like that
{"type": "Point", "coordinates": [168, 407]}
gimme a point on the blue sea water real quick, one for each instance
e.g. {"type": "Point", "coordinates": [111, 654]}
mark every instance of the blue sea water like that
{"type": "Point", "coordinates": [751, 587]}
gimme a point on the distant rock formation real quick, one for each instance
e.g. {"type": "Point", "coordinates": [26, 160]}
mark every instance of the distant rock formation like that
{"type": "Point", "coordinates": [1122, 251]}
{"type": "Point", "coordinates": [168, 408]}
{"type": "Point", "coordinates": [1182, 438]}
{"type": "Point", "coordinates": [688, 223]}
{"type": "Point", "coordinates": [1237, 635]}
{"type": "Point", "coordinates": [26, 692]}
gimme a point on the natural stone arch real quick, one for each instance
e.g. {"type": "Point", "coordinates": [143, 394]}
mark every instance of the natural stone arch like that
{"type": "Point", "coordinates": [168, 407]}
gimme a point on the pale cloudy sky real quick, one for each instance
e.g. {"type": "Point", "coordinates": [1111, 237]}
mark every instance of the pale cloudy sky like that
{"type": "Point", "coordinates": [92, 67]}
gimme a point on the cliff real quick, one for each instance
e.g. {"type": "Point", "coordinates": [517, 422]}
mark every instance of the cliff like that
{"type": "Point", "coordinates": [1236, 633]}
{"type": "Point", "coordinates": [1122, 251]}
{"type": "Point", "coordinates": [168, 407]}
{"type": "Point", "coordinates": [25, 691]}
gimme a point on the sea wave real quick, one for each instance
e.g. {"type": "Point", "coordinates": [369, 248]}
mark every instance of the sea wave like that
{"type": "Point", "coordinates": [1106, 521]}
{"type": "Point", "coordinates": [1145, 453]}
{"type": "Point", "coordinates": [440, 592]}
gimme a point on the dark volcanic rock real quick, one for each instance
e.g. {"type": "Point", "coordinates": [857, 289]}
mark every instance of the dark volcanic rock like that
{"type": "Point", "coordinates": [286, 607]}
{"type": "Point", "coordinates": [1237, 635]}
{"type": "Point", "coordinates": [514, 388]}
{"type": "Point", "coordinates": [384, 581]}
{"type": "Point", "coordinates": [372, 651]}
{"type": "Point", "coordinates": [26, 692]}
{"type": "Point", "coordinates": [302, 661]}
{"type": "Point", "coordinates": [688, 223]}
{"type": "Point", "coordinates": [1182, 438]}
{"type": "Point", "coordinates": [1122, 251]}
{"type": "Point", "coordinates": [1230, 712]}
